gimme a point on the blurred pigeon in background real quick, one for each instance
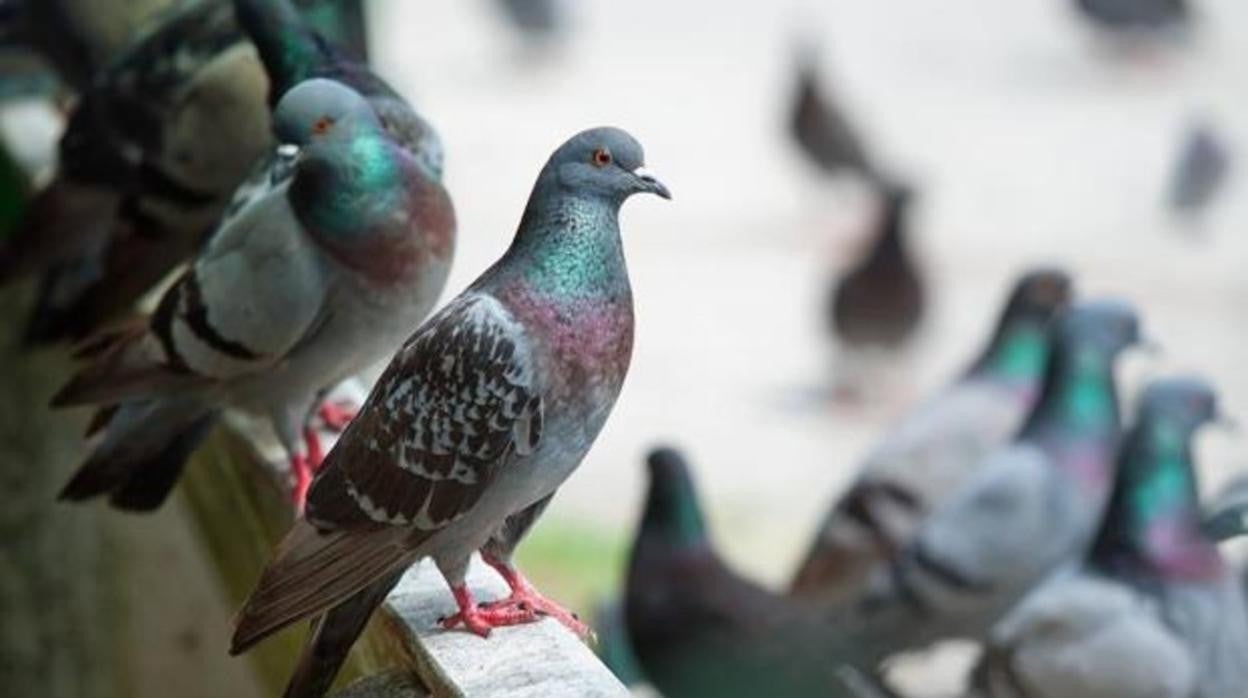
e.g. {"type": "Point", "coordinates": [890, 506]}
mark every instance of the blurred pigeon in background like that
{"type": "Point", "coordinates": [821, 129]}
{"type": "Point", "coordinates": [878, 304]}
{"type": "Point", "coordinates": [78, 38]}
{"type": "Point", "coordinates": [139, 184]}
{"type": "Point", "coordinates": [479, 418]}
{"type": "Point", "coordinates": [139, 181]}
{"type": "Point", "coordinates": [929, 454]}
{"type": "Point", "coordinates": [1158, 613]}
{"type": "Point", "coordinates": [699, 629]}
{"type": "Point", "coordinates": [537, 20]}
{"type": "Point", "coordinates": [1029, 508]}
{"type": "Point", "coordinates": [305, 286]}
{"type": "Point", "coordinates": [1199, 171]}
{"type": "Point", "coordinates": [1135, 15]}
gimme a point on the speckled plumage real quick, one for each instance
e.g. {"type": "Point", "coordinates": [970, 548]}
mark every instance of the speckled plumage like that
{"type": "Point", "coordinates": [1184, 603]}
{"type": "Point", "coordinates": [932, 451]}
{"type": "Point", "coordinates": [1029, 509]}
{"type": "Point", "coordinates": [279, 306]}
{"type": "Point", "coordinates": [479, 418]}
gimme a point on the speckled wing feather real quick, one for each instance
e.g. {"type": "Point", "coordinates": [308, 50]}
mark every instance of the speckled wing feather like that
{"type": "Point", "coordinates": [455, 404]}
{"type": "Point", "coordinates": [452, 408]}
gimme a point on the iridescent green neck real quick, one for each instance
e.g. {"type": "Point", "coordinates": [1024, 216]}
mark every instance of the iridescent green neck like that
{"type": "Point", "coordinates": [673, 515]}
{"type": "Point", "coordinates": [286, 46]}
{"type": "Point", "coordinates": [572, 248]}
{"type": "Point", "coordinates": [1017, 353]}
{"type": "Point", "coordinates": [1156, 474]}
{"type": "Point", "coordinates": [349, 187]}
{"type": "Point", "coordinates": [1078, 396]}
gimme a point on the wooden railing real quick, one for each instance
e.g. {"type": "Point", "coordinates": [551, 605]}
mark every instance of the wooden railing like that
{"type": "Point", "coordinates": [235, 493]}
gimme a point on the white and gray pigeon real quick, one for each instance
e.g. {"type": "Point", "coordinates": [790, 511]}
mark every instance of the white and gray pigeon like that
{"type": "Point", "coordinates": [314, 281]}
{"type": "Point", "coordinates": [476, 422]}
{"type": "Point", "coordinates": [931, 451]}
{"type": "Point", "coordinates": [1156, 612]}
{"type": "Point", "coordinates": [1030, 508]}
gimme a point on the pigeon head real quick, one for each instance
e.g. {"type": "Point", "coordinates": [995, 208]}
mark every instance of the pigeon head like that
{"type": "Point", "coordinates": [602, 163]}
{"type": "Point", "coordinates": [321, 110]}
{"type": "Point", "coordinates": [1184, 404]}
{"type": "Point", "coordinates": [1078, 395]}
{"type": "Point", "coordinates": [1038, 295]}
{"type": "Point", "coordinates": [1108, 325]}
{"type": "Point", "coordinates": [1020, 344]}
{"type": "Point", "coordinates": [672, 512]}
{"type": "Point", "coordinates": [1154, 518]}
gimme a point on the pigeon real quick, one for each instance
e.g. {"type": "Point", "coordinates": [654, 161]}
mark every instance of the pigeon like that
{"type": "Point", "coordinates": [139, 186]}
{"type": "Point", "coordinates": [307, 285]}
{"type": "Point", "coordinates": [474, 424]}
{"type": "Point", "coordinates": [1029, 508]}
{"type": "Point", "coordinates": [536, 20]}
{"type": "Point", "coordinates": [699, 629]}
{"type": "Point", "coordinates": [932, 451]}
{"type": "Point", "coordinates": [1146, 16]}
{"type": "Point", "coordinates": [1227, 516]}
{"type": "Point", "coordinates": [79, 38]}
{"type": "Point", "coordinates": [1155, 595]}
{"type": "Point", "coordinates": [821, 130]}
{"type": "Point", "coordinates": [879, 302]}
{"type": "Point", "coordinates": [1199, 171]}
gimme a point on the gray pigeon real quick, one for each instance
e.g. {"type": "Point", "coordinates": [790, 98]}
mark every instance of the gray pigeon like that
{"type": "Point", "coordinates": [476, 422]}
{"type": "Point", "coordinates": [821, 129]}
{"type": "Point", "coordinates": [699, 629]}
{"type": "Point", "coordinates": [1156, 595]}
{"type": "Point", "coordinates": [1200, 169]}
{"type": "Point", "coordinates": [1029, 509]}
{"type": "Point", "coordinates": [932, 451]}
{"type": "Point", "coordinates": [307, 285]}
{"type": "Point", "coordinates": [1135, 15]}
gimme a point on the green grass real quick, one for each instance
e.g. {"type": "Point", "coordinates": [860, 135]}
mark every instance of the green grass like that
{"type": "Point", "coordinates": [574, 562]}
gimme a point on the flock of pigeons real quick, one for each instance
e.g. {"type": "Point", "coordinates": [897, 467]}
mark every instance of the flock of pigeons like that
{"type": "Point", "coordinates": [303, 197]}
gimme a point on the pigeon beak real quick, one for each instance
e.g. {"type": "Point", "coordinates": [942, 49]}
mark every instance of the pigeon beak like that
{"type": "Point", "coordinates": [651, 183]}
{"type": "Point", "coordinates": [287, 151]}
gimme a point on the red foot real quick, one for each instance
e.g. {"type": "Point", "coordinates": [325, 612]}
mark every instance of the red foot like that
{"type": "Point", "coordinates": [480, 621]}
{"type": "Point", "coordinates": [337, 415]}
{"type": "Point", "coordinates": [526, 599]}
{"type": "Point", "coordinates": [301, 472]}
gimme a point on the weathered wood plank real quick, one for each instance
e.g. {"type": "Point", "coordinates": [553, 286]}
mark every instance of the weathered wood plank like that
{"type": "Point", "coordinates": [542, 660]}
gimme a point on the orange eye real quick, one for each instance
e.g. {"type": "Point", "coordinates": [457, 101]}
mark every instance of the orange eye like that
{"type": "Point", "coordinates": [601, 157]}
{"type": "Point", "coordinates": [322, 125]}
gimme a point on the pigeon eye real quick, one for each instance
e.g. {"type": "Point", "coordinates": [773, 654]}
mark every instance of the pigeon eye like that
{"type": "Point", "coordinates": [601, 157]}
{"type": "Point", "coordinates": [322, 125]}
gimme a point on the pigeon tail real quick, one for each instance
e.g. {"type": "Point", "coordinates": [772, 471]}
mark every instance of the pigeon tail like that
{"type": "Point", "coordinates": [331, 637]}
{"type": "Point", "coordinates": [145, 447]}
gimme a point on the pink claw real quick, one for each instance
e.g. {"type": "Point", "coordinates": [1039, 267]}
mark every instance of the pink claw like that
{"type": "Point", "coordinates": [337, 415]}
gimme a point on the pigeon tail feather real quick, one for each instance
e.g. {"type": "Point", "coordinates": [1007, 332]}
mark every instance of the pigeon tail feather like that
{"type": "Point", "coordinates": [332, 636]}
{"type": "Point", "coordinates": [137, 471]}
{"type": "Point", "coordinates": [296, 583]}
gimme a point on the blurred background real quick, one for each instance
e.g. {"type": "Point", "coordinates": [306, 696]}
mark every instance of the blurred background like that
{"type": "Point", "coordinates": [1027, 135]}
